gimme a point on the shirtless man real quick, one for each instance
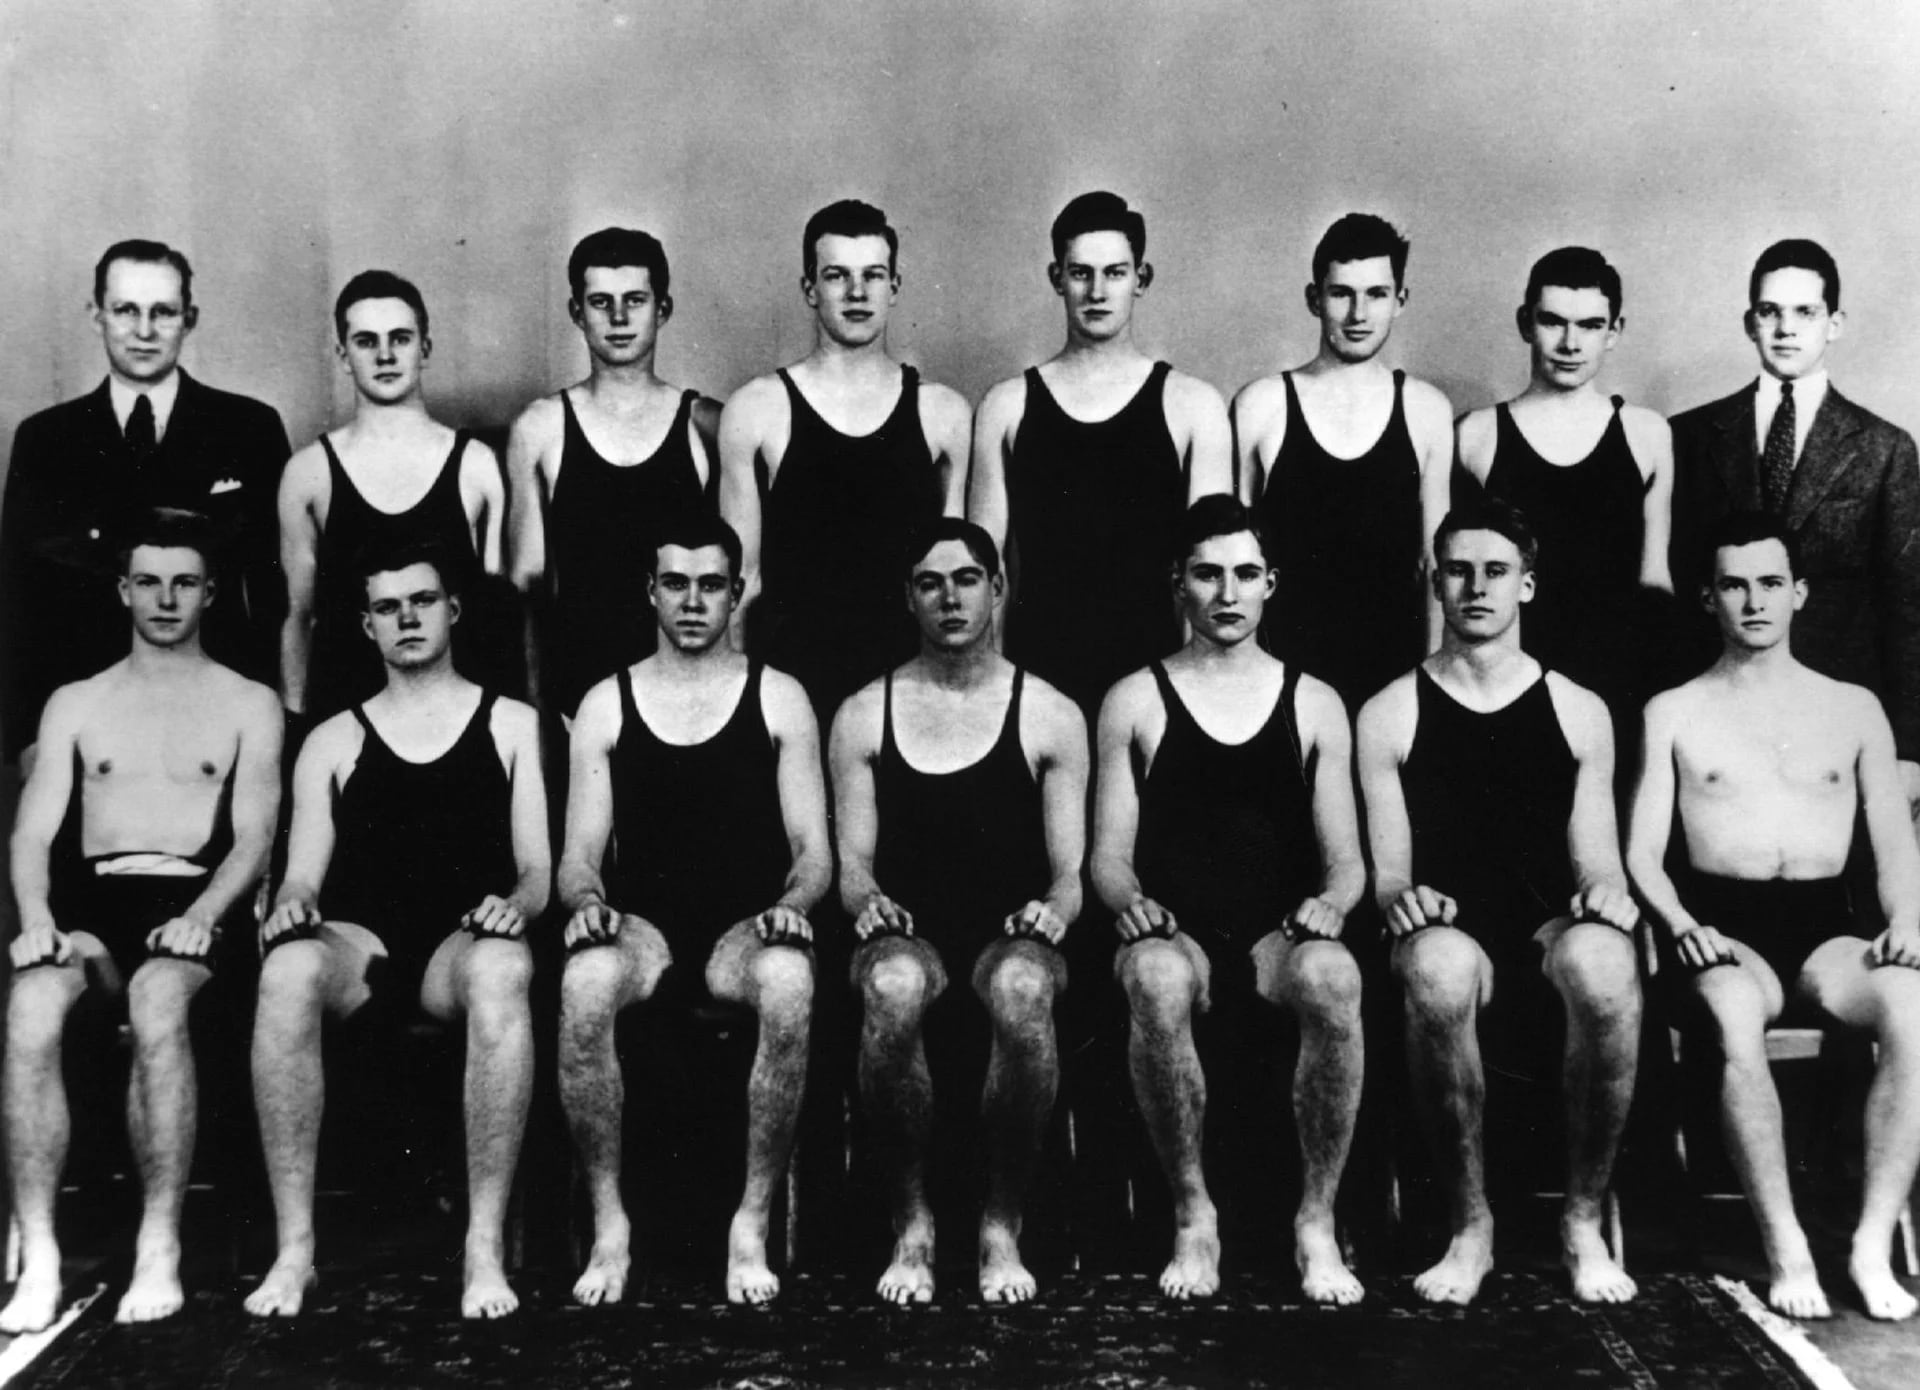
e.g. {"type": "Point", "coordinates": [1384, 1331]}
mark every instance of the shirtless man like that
{"type": "Point", "coordinates": [1232, 859]}
{"type": "Point", "coordinates": [393, 475]}
{"type": "Point", "coordinates": [960, 783]}
{"type": "Point", "coordinates": [1767, 764]}
{"type": "Point", "coordinates": [827, 465]}
{"type": "Point", "coordinates": [1489, 801]}
{"type": "Point", "coordinates": [418, 857]}
{"type": "Point", "coordinates": [1593, 475]}
{"type": "Point", "coordinates": [161, 741]}
{"type": "Point", "coordinates": [635, 451]}
{"type": "Point", "coordinates": [705, 767]}
{"type": "Point", "coordinates": [1085, 464]}
{"type": "Point", "coordinates": [1346, 466]}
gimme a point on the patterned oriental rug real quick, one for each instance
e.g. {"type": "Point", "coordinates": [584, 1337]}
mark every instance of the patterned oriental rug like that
{"type": "Point", "coordinates": [1111, 1332]}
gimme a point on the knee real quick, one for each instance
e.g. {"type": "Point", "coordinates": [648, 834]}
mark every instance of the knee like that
{"type": "Point", "coordinates": [1439, 974]}
{"type": "Point", "coordinates": [590, 988]}
{"type": "Point", "coordinates": [1597, 970]}
{"type": "Point", "coordinates": [156, 1008]}
{"type": "Point", "coordinates": [1326, 983]}
{"type": "Point", "coordinates": [1019, 989]}
{"type": "Point", "coordinates": [1159, 982]}
{"type": "Point", "coordinates": [1737, 1013]}
{"type": "Point", "coordinates": [497, 977]}
{"type": "Point", "coordinates": [37, 1007]}
{"type": "Point", "coordinates": [292, 977]}
{"type": "Point", "coordinates": [896, 988]}
{"type": "Point", "coordinates": [783, 984]}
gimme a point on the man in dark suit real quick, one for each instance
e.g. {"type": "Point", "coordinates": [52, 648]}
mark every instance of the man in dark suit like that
{"type": "Point", "coordinates": [147, 436]}
{"type": "Point", "coordinates": [1846, 482]}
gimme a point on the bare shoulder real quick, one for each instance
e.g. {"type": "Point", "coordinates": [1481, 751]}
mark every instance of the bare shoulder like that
{"type": "Point", "coordinates": [513, 720]}
{"type": "Point", "coordinates": [706, 417]}
{"type": "Point", "coordinates": [333, 743]}
{"type": "Point", "coordinates": [1320, 704]}
{"type": "Point", "coordinates": [1647, 431]}
{"type": "Point", "coordinates": [477, 459]}
{"type": "Point", "coordinates": [758, 399]}
{"type": "Point", "coordinates": [1845, 705]}
{"type": "Point", "coordinates": [944, 402]}
{"type": "Point", "coordinates": [856, 724]}
{"type": "Point", "coordinates": [1427, 405]}
{"type": "Point", "coordinates": [599, 710]}
{"type": "Point", "coordinates": [1193, 397]}
{"type": "Point", "coordinates": [1004, 404]}
{"type": "Point", "coordinates": [1671, 708]}
{"type": "Point", "coordinates": [1255, 403]}
{"type": "Point", "coordinates": [1581, 712]}
{"type": "Point", "coordinates": [1388, 718]}
{"type": "Point", "coordinates": [783, 700]}
{"type": "Point", "coordinates": [306, 472]}
{"type": "Point", "coordinates": [540, 422]}
{"type": "Point", "coordinates": [1051, 712]}
{"type": "Point", "coordinates": [69, 707]}
{"type": "Point", "coordinates": [1128, 698]}
{"type": "Point", "coordinates": [249, 701]}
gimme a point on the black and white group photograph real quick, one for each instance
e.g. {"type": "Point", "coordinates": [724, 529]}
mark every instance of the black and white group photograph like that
{"type": "Point", "coordinates": [880, 693]}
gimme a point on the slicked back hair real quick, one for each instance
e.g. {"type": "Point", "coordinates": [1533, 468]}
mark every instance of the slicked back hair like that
{"type": "Point", "coordinates": [1750, 528]}
{"type": "Point", "coordinates": [694, 530]}
{"type": "Point", "coordinates": [1490, 514]}
{"type": "Point", "coordinates": [144, 253]}
{"type": "Point", "coordinates": [1099, 212]}
{"type": "Point", "coordinates": [1574, 268]}
{"type": "Point", "coordinates": [378, 284]}
{"type": "Point", "coordinates": [1361, 236]}
{"type": "Point", "coordinates": [849, 218]}
{"type": "Point", "coordinates": [1797, 253]}
{"type": "Point", "coordinates": [1218, 514]}
{"type": "Point", "coordinates": [927, 535]}
{"type": "Point", "coordinates": [612, 248]}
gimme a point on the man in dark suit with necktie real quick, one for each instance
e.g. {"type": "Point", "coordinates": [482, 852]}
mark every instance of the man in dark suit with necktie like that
{"type": "Point", "coordinates": [147, 436]}
{"type": "Point", "coordinates": [1846, 482]}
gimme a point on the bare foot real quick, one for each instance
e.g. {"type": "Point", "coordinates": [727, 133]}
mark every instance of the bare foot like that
{"type": "Point", "coordinates": [36, 1298]}
{"type": "Point", "coordinates": [604, 1280]}
{"type": "Point", "coordinates": [1880, 1293]}
{"type": "Point", "coordinates": [154, 1291]}
{"type": "Point", "coordinates": [748, 1278]}
{"type": "Point", "coordinates": [1796, 1292]}
{"type": "Point", "coordinates": [286, 1286]}
{"type": "Point", "coordinates": [1456, 1279]}
{"type": "Point", "coordinates": [1003, 1279]}
{"type": "Point", "coordinates": [485, 1292]}
{"type": "Point", "coordinates": [909, 1279]}
{"type": "Point", "coordinates": [1324, 1276]}
{"type": "Point", "coordinates": [1194, 1270]}
{"type": "Point", "coordinates": [1597, 1276]}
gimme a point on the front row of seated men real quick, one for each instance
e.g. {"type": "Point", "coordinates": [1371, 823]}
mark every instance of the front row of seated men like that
{"type": "Point", "coordinates": [1226, 845]}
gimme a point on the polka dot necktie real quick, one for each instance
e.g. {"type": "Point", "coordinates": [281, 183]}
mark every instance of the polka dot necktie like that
{"type": "Point", "coordinates": [1776, 460]}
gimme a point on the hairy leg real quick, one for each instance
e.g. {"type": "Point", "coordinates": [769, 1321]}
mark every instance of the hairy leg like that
{"type": "Point", "coordinates": [898, 977]}
{"type": "Point", "coordinates": [1018, 980]}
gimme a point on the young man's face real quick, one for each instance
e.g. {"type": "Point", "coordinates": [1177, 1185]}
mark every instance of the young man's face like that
{"type": "Point", "coordinates": [1753, 595]}
{"type": "Point", "coordinates": [410, 616]}
{"type": "Point", "coordinates": [693, 593]}
{"type": "Point", "coordinates": [852, 289]}
{"type": "Point", "coordinates": [1356, 304]}
{"type": "Point", "coordinates": [166, 589]}
{"type": "Point", "coordinates": [383, 349]}
{"type": "Point", "coordinates": [144, 319]}
{"type": "Point", "coordinates": [1481, 584]}
{"type": "Point", "coordinates": [1099, 279]}
{"type": "Point", "coordinates": [1223, 587]}
{"type": "Point", "coordinates": [952, 597]}
{"type": "Point", "coordinates": [1790, 324]}
{"type": "Point", "coordinates": [1571, 332]}
{"type": "Point", "coordinates": [619, 314]}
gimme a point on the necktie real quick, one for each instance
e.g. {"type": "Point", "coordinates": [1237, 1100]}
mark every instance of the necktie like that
{"type": "Point", "coordinates": [1776, 460]}
{"type": "Point", "coordinates": [140, 436]}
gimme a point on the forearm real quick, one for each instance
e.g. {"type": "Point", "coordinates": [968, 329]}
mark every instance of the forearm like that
{"type": "Point", "coordinates": [807, 883]}
{"type": "Point", "coordinates": [31, 882]}
{"type": "Point", "coordinates": [1661, 897]}
{"type": "Point", "coordinates": [1064, 897]}
{"type": "Point", "coordinates": [1114, 880]}
{"type": "Point", "coordinates": [296, 649]}
{"type": "Point", "coordinates": [232, 881]}
{"type": "Point", "coordinates": [581, 884]}
{"type": "Point", "coordinates": [1345, 884]}
{"type": "Point", "coordinates": [857, 885]}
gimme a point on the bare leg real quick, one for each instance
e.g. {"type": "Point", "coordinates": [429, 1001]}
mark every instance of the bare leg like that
{"type": "Point", "coordinates": [38, 1127]}
{"type": "Point", "coordinates": [1742, 999]}
{"type": "Point", "coordinates": [777, 981]}
{"type": "Point", "coordinates": [1594, 968]}
{"type": "Point", "coordinates": [898, 978]}
{"type": "Point", "coordinates": [598, 983]}
{"type": "Point", "coordinates": [1319, 982]}
{"type": "Point", "coordinates": [162, 1113]}
{"type": "Point", "coordinates": [1886, 1001]}
{"type": "Point", "coordinates": [1164, 981]}
{"type": "Point", "coordinates": [1445, 978]}
{"type": "Point", "coordinates": [485, 979]}
{"type": "Point", "coordinates": [299, 981]}
{"type": "Point", "coordinates": [1017, 980]}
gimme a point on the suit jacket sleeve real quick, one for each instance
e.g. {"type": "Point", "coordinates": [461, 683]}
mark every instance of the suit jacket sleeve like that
{"type": "Point", "coordinates": [23, 677]}
{"type": "Point", "coordinates": [266, 587]}
{"type": "Point", "coordinates": [1897, 559]}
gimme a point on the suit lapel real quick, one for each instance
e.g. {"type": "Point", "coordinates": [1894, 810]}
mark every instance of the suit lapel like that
{"type": "Point", "coordinates": [1829, 449]}
{"type": "Point", "coordinates": [103, 437]}
{"type": "Point", "coordinates": [1739, 455]}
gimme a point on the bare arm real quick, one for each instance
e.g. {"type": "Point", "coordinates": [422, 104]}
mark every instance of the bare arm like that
{"type": "Point", "coordinates": [1651, 828]}
{"type": "Point", "coordinates": [1063, 797]}
{"type": "Point", "coordinates": [1387, 725]}
{"type": "Point", "coordinates": [704, 422]}
{"type": "Point", "coordinates": [37, 821]}
{"type": "Point", "coordinates": [1202, 419]}
{"type": "Point", "coordinates": [1593, 835]}
{"type": "Point", "coordinates": [301, 487]}
{"type": "Point", "coordinates": [323, 757]}
{"type": "Point", "coordinates": [527, 500]}
{"type": "Point", "coordinates": [254, 813]}
{"type": "Point", "coordinates": [947, 422]}
{"type": "Point", "coordinates": [1652, 442]}
{"type": "Point", "coordinates": [853, 748]}
{"type": "Point", "coordinates": [1259, 425]}
{"type": "Point", "coordinates": [1430, 421]}
{"type": "Point", "coordinates": [744, 433]}
{"type": "Point", "coordinates": [1336, 819]}
{"type": "Point", "coordinates": [1896, 854]}
{"type": "Point", "coordinates": [803, 806]}
{"type": "Point", "coordinates": [516, 732]}
{"type": "Point", "coordinates": [995, 426]}
{"type": "Point", "coordinates": [583, 892]}
{"type": "Point", "coordinates": [485, 497]}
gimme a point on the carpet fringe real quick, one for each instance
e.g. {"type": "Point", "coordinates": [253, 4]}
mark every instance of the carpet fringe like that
{"type": "Point", "coordinates": [1786, 1334]}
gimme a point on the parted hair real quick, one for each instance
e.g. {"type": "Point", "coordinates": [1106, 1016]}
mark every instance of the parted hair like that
{"type": "Point", "coordinates": [398, 555]}
{"type": "Point", "coordinates": [613, 247]}
{"type": "Point", "coordinates": [1797, 253]}
{"type": "Point", "coordinates": [695, 530]}
{"type": "Point", "coordinates": [1574, 268]}
{"type": "Point", "coordinates": [1490, 514]}
{"type": "Point", "coordinates": [1750, 528]}
{"type": "Point", "coordinates": [1218, 514]}
{"type": "Point", "coordinates": [1360, 236]}
{"type": "Point", "coordinates": [1099, 212]}
{"type": "Point", "coordinates": [147, 253]}
{"type": "Point", "coordinates": [169, 528]}
{"type": "Point", "coordinates": [928, 534]}
{"type": "Point", "coordinates": [378, 284]}
{"type": "Point", "coordinates": [849, 217]}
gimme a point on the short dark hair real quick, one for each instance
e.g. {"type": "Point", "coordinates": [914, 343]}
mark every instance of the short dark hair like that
{"type": "Point", "coordinates": [1750, 528]}
{"type": "Point", "coordinates": [146, 253]}
{"type": "Point", "coordinates": [1574, 268]}
{"type": "Point", "coordinates": [1797, 253]}
{"type": "Point", "coordinates": [696, 530]}
{"type": "Point", "coordinates": [170, 528]}
{"type": "Point", "coordinates": [377, 284]}
{"type": "Point", "coordinates": [394, 556]}
{"type": "Point", "coordinates": [1361, 236]}
{"type": "Point", "coordinates": [613, 247]}
{"type": "Point", "coordinates": [849, 217]}
{"type": "Point", "coordinates": [1490, 514]}
{"type": "Point", "coordinates": [1099, 212]}
{"type": "Point", "coordinates": [972, 535]}
{"type": "Point", "coordinates": [1218, 514]}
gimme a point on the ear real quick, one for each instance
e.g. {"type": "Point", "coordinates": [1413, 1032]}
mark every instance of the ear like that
{"type": "Point", "coordinates": [189, 316]}
{"type": "Point", "coordinates": [736, 586]}
{"type": "Point", "coordinates": [808, 292]}
{"type": "Point", "coordinates": [366, 623]}
{"type": "Point", "coordinates": [663, 308]}
{"type": "Point", "coordinates": [210, 589]}
{"type": "Point", "coordinates": [1056, 278]}
{"type": "Point", "coordinates": [1706, 597]}
{"type": "Point", "coordinates": [894, 280]}
{"type": "Point", "coordinates": [1145, 279]}
{"type": "Point", "coordinates": [1836, 324]}
{"type": "Point", "coordinates": [1799, 594]}
{"type": "Point", "coordinates": [426, 348]}
{"type": "Point", "coordinates": [1750, 325]}
{"type": "Point", "coordinates": [1273, 582]}
{"type": "Point", "coordinates": [453, 608]}
{"type": "Point", "coordinates": [1528, 583]}
{"type": "Point", "coordinates": [573, 310]}
{"type": "Point", "coordinates": [1615, 329]}
{"type": "Point", "coordinates": [126, 592]}
{"type": "Point", "coordinates": [1523, 321]}
{"type": "Point", "coordinates": [1313, 300]}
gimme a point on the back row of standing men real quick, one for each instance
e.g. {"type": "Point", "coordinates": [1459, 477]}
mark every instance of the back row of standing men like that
{"type": "Point", "coordinates": [1092, 523]}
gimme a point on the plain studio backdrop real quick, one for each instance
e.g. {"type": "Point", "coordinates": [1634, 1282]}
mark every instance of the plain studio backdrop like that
{"type": "Point", "coordinates": [467, 145]}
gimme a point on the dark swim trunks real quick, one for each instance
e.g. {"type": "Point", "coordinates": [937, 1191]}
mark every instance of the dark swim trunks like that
{"type": "Point", "coordinates": [1782, 920]}
{"type": "Point", "coordinates": [122, 909]}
